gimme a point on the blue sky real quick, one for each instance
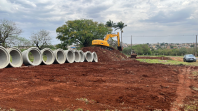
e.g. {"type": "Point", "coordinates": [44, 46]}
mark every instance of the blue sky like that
{"type": "Point", "coordinates": [172, 21]}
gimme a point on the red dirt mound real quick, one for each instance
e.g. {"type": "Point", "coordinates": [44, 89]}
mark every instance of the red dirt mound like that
{"type": "Point", "coordinates": [161, 58]}
{"type": "Point", "coordinates": [105, 55]}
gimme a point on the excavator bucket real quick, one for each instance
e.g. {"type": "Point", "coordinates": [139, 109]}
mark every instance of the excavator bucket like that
{"type": "Point", "coordinates": [119, 48]}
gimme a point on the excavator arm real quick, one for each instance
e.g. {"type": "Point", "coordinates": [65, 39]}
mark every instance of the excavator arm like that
{"type": "Point", "coordinates": [118, 39]}
{"type": "Point", "coordinates": [119, 45]}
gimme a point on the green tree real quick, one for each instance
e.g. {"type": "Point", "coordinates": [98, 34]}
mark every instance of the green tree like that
{"type": "Point", "coordinates": [110, 24]}
{"type": "Point", "coordinates": [139, 49]}
{"type": "Point", "coordinates": [8, 29]}
{"type": "Point", "coordinates": [18, 41]}
{"type": "Point", "coordinates": [80, 32]}
{"type": "Point", "coordinates": [62, 46]}
{"type": "Point", "coordinates": [120, 25]}
{"type": "Point", "coordinates": [183, 51]}
{"type": "Point", "coordinates": [175, 52]}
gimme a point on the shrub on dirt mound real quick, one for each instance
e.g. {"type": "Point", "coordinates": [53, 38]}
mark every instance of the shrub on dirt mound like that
{"type": "Point", "coordinates": [106, 55]}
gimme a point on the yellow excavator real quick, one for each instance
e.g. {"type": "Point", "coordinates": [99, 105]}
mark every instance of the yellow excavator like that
{"type": "Point", "coordinates": [104, 44]}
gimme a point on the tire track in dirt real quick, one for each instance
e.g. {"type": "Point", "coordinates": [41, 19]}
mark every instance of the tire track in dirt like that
{"type": "Point", "coordinates": [183, 89]}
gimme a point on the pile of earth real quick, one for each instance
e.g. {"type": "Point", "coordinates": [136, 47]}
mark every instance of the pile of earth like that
{"type": "Point", "coordinates": [161, 58]}
{"type": "Point", "coordinates": [105, 55]}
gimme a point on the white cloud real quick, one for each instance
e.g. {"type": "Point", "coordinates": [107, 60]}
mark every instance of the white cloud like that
{"type": "Point", "coordinates": [185, 3]}
{"type": "Point", "coordinates": [29, 3]}
{"type": "Point", "coordinates": [7, 6]}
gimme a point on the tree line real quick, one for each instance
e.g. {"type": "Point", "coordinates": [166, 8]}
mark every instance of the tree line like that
{"type": "Point", "coordinates": [144, 49]}
{"type": "Point", "coordinates": [174, 52]}
{"type": "Point", "coordinates": [139, 49]}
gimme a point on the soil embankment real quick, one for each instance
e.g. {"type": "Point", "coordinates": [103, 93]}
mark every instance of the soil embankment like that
{"type": "Point", "coordinates": [106, 55]}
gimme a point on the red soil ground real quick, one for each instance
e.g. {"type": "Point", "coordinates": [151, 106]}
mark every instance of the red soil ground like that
{"type": "Point", "coordinates": [109, 84]}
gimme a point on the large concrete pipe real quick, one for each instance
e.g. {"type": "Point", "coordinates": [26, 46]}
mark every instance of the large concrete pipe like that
{"type": "Point", "coordinates": [82, 56]}
{"type": "Point", "coordinates": [47, 52]}
{"type": "Point", "coordinates": [16, 55]}
{"type": "Point", "coordinates": [36, 54]}
{"type": "Point", "coordinates": [70, 56]}
{"type": "Point", "coordinates": [88, 56]}
{"type": "Point", "coordinates": [60, 56]}
{"type": "Point", "coordinates": [77, 56]}
{"type": "Point", "coordinates": [95, 57]}
{"type": "Point", "coordinates": [4, 57]}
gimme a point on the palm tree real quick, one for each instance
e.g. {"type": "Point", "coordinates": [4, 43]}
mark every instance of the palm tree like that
{"type": "Point", "coordinates": [120, 25]}
{"type": "Point", "coordinates": [110, 24]}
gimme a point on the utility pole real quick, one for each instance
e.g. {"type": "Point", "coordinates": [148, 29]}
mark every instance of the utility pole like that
{"type": "Point", "coordinates": [131, 44]}
{"type": "Point", "coordinates": [196, 47]}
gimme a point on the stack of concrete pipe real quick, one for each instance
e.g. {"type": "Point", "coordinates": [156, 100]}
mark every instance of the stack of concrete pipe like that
{"type": "Point", "coordinates": [13, 57]}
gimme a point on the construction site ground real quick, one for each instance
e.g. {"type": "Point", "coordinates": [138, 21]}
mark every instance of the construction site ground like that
{"type": "Point", "coordinates": [114, 83]}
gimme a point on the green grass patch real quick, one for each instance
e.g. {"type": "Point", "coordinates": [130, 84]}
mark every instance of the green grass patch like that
{"type": "Point", "coordinates": [44, 57]}
{"type": "Point", "coordinates": [171, 62]}
{"type": "Point", "coordinates": [31, 57]}
{"type": "Point", "coordinates": [10, 58]}
{"type": "Point", "coordinates": [150, 56]}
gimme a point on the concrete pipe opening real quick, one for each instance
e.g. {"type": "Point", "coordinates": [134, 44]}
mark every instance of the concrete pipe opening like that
{"type": "Point", "coordinates": [16, 59]}
{"type": "Point", "coordinates": [82, 57]}
{"type": "Point", "coordinates": [47, 56]}
{"type": "Point", "coordinates": [4, 57]}
{"type": "Point", "coordinates": [95, 57]}
{"type": "Point", "coordinates": [88, 56]}
{"type": "Point", "coordinates": [70, 56]}
{"type": "Point", "coordinates": [60, 56]}
{"type": "Point", "coordinates": [32, 56]}
{"type": "Point", "coordinates": [77, 56]}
